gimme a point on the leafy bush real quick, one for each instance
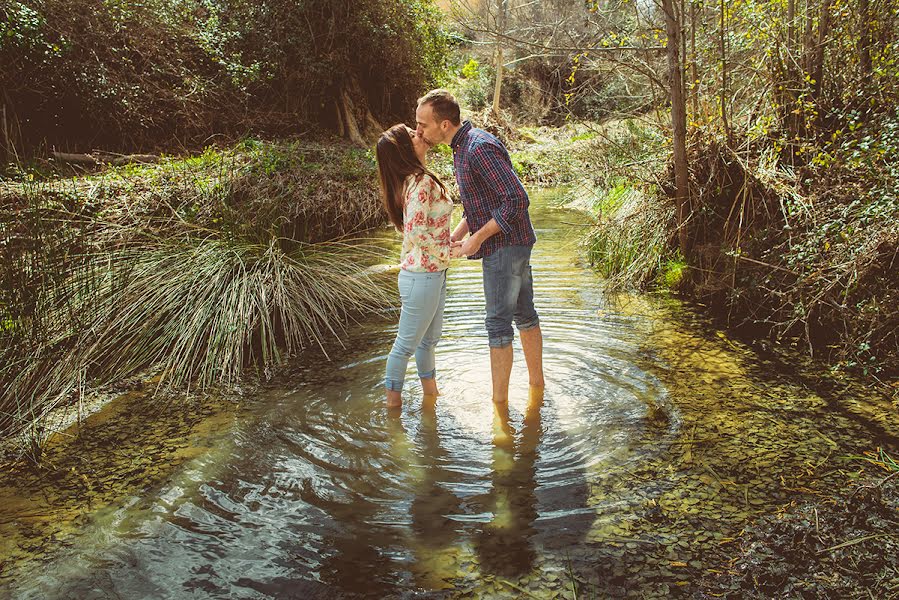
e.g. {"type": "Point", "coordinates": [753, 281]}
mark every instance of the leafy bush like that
{"type": "Point", "coordinates": [81, 74]}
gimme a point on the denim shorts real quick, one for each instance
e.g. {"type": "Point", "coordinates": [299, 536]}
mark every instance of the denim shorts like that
{"type": "Point", "coordinates": [509, 291]}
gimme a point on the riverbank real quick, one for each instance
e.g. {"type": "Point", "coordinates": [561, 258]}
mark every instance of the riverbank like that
{"type": "Point", "coordinates": [846, 513]}
{"type": "Point", "coordinates": [194, 270]}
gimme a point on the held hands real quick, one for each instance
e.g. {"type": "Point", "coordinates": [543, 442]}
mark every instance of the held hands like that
{"type": "Point", "coordinates": [462, 246]}
{"type": "Point", "coordinates": [469, 246]}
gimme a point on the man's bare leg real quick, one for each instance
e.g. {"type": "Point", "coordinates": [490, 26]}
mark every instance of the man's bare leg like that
{"type": "Point", "coordinates": [501, 370]}
{"type": "Point", "coordinates": [532, 344]}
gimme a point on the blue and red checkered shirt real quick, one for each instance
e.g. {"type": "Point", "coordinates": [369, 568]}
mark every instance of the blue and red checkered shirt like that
{"type": "Point", "coordinates": [490, 189]}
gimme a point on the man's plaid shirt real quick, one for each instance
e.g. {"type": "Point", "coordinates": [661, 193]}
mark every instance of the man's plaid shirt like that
{"type": "Point", "coordinates": [490, 189]}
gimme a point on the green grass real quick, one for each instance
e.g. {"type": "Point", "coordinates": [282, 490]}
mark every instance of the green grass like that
{"type": "Point", "coordinates": [671, 273]}
{"type": "Point", "coordinates": [628, 244]}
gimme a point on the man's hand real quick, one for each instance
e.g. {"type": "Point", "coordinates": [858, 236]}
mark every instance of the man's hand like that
{"type": "Point", "coordinates": [470, 246]}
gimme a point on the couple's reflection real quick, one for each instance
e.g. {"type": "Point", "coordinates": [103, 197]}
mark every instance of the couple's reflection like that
{"type": "Point", "coordinates": [434, 532]}
{"type": "Point", "coordinates": [504, 544]}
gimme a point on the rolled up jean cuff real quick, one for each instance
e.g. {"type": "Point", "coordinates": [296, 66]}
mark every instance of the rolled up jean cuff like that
{"type": "Point", "coordinates": [500, 341]}
{"type": "Point", "coordinates": [393, 386]}
{"type": "Point", "coordinates": [528, 324]}
{"type": "Point", "coordinates": [429, 375]}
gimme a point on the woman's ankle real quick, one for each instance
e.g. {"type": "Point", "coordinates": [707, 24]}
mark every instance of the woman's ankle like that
{"type": "Point", "coordinates": [429, 387]}
{"type": "Point", "coordinates": [394, 399]}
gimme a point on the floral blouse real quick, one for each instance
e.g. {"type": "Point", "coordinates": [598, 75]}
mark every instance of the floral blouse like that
{"type": "Point", "coordinates": [426, 225]}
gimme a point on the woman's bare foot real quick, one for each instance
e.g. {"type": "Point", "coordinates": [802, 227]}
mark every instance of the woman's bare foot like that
{"type": "Point", "coordinates": [394, 399]}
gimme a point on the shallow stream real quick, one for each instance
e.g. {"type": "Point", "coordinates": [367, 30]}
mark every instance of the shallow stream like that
{"type": "Point", "coordinates": [657, 440]}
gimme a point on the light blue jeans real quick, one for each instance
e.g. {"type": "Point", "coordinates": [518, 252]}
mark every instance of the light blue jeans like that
{"type": "Point", "coordinates": [421, 322]}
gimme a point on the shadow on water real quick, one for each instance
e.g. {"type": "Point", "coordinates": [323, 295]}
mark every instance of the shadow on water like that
{"type": "Point", "coordinates": [656, 442]}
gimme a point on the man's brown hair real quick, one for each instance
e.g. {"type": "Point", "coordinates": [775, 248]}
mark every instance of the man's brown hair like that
{"type": "Point", "coordinates": [443, 104]}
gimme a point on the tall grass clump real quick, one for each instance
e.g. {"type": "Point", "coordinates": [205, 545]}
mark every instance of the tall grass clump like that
{"type": "Point", "coordinates": [611, 168]}
{"type": "Point", "coordinates": [197, 270]}
{"type": "Point", "coordinates": [199, 312]}
{"type": "Point", "coordinates": [628, 244]}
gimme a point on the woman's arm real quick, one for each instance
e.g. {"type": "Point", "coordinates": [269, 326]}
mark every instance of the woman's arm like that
{"type": "Point", "coordinates": [460, 231]}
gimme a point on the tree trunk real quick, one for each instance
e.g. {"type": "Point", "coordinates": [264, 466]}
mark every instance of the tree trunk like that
{"type": "Point", "coordinates": [354, 120]}
{"type": "Point", "coordinates": [791, 26]}
{"type": "Point", "coordinates": [501, 28]}
{"type": "Point", "coordinates": [678, 124]}
{"type": "Point", "coordinates": [5, 149]}
{"type": "Point", "coordinates": [864, 39]}
{"type": "Point", "coordinates": [723, 100]}
{"type": "Point", "coordinates": [817, 70]}
{"type": "Point", "coordinates": [694, 71]}
{"type": "Point", "coordinates": [499, 80]}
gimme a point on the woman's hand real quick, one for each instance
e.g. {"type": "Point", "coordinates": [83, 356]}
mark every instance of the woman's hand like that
{"type": "Point", "coordinates": [456, 250]}
{"type": "Point", "coordinates": [460, 231]}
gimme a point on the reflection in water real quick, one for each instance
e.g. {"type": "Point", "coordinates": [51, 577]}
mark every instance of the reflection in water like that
{"type": "Point", "coordinates": [434, 532]}
{"type": "Point", "coordinates": [504, 544]}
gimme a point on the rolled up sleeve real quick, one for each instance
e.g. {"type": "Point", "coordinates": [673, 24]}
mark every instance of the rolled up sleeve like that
{"type": "Point", "coordinates": [496, 170]}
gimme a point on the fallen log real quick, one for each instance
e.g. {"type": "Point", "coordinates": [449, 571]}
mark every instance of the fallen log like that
{"type": "Point", "coordinates": [75, 159]}
{"type": "Point", "coordinates": [97, 159]}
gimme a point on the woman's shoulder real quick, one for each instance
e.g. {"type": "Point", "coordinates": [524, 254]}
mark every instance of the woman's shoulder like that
{"type": "Point", "coordinates": [422, 181]}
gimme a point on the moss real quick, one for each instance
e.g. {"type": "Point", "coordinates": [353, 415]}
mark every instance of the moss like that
{"type": "Point", "coordinates": [672, 273]}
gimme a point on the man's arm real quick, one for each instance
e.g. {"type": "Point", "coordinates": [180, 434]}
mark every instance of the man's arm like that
{"type": "Point", "coordinates": [475, 240]}
{"type": "Point", "coordinates": [495, 168]}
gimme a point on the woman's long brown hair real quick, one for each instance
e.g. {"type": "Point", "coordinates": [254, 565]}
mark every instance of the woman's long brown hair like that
{"type": "Point", "coordinates": [396, 161]}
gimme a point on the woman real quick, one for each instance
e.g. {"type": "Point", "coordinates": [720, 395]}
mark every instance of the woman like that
{"type": "Point", "coordinates": [418, 205]}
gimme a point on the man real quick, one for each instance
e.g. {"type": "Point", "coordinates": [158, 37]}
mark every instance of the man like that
{"type": "Point", "coordinates": [499, 229]}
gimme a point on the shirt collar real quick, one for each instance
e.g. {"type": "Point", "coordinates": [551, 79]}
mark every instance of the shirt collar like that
{"type": "Point", "coordinates": [463, 131]}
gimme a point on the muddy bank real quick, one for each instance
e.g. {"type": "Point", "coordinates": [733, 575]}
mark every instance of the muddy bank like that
{"type": "Point", "coordinates": [842, 544]}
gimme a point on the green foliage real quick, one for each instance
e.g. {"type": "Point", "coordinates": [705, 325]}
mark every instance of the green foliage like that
{"type": "Point", "coordinates": [587, 135]}
{"type": "Point", "coordinates": [22, 30]}
{"type": "Point", "coordinates": [614, 197]}
{"type": "Point", "coordinates": [671, 273]}
{"type": "Point", "coordinates": [123, 75]}
{"type": "Point", "coordinates": [475, 87]}
{"type": "Point", "coordinates": [525, 165]}
{"type": "Point", "coordinates": [471, 69]}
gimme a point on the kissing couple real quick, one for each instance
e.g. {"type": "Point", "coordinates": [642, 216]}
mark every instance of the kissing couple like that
{"type": "Point", "coordinates": [495, 228]}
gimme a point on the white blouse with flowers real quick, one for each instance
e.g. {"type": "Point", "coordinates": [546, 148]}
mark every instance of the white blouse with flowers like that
{"type": "Point", "coordinates": [426, 225]}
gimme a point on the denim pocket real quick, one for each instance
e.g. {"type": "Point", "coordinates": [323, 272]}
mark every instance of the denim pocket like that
{"type": "Point", "coordinates": [405, 284]}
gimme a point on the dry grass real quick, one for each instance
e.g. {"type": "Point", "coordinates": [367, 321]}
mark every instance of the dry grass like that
{"type": "Point", "coordinates": [187, 269]}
